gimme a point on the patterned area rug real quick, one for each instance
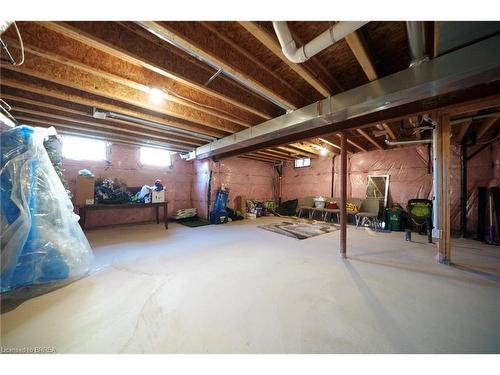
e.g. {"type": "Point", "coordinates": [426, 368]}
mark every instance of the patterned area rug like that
{"type": "Point", "coordinates": [301, 229]}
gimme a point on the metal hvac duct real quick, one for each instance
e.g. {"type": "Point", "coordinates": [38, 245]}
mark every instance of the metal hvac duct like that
{"type": "Point", "coordinates": [416, 41]}
{"type": "Point", "coordinates": [468, 73]}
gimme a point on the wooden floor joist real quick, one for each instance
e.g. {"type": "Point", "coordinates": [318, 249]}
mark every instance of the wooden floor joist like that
{"type": "Point", "coordinates": [305, 148]}
{"type": "Point", "coordinates": [296, 151]}
{"type": "Point", "coordinates": [317, 145]}
{"type": "Point", "coordinates": [46, 90]}
{"type": "Point", "coordinates": [78, 129]}
{"type": "Point", "coordinates": [73, 77]}
{"type": "Point", "coordinates": [268, 40]}
{"type": "Point", "coordinates": [389, 131]}
{"type": "Point", "coordinates": [358, 48]}
{"type": "Point", "coordinates": [484, 126]}
{"type": "Point", "coordinates": [136, 50]}
{"type": "Point", "coordinates": [84, 124]}
{"type": "Point", "coordinates": [172, 32]}
{"type": "Point", "coordinates": [22, 104]}
{"type": "Point", "coordinates": [256, 158]}
{"type": "Point", "coordinates": [253, 59]}
{"type": "Point", "coordinates": [369, 139]}
{"type": "Point", "coordinates": [273, 155]}
{"type": "Point", "coordinates": [53, 46]}
{"type": "Point", "coordinates": [280, 153]}
{"type": "Point", "coordinates": [114, 139]}
{"type": "Point", "coordinates": [463, 127]}
{"type": "Point", "coordinates": [350, 141]}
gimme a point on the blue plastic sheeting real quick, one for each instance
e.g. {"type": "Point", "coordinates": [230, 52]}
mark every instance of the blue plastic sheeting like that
{"type": "Point", "coordinates": [41, 242]}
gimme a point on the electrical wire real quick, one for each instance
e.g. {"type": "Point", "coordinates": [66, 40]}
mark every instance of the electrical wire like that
{"type": "Point", "coordinates": [4, 46]}
{"type": "Point", "coordinates": [21, 44]}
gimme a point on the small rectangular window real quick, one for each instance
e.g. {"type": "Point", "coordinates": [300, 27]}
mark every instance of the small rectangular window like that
{"type": "Point", "coordinates": [81, 148]}
{"type": "Point", "coordinates": [156, 157]}
{"type": "Point", "coordinates": [302, 163]}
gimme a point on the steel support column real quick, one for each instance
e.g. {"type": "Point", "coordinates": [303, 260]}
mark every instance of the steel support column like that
{"type": "Point", "coordinates": [343, 194]}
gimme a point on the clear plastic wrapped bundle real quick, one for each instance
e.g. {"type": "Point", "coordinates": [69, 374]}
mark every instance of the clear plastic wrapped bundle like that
{"type": "Point", "coordinates": [42, 244]}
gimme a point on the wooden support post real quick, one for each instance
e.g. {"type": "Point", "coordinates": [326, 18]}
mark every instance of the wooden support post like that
{"type": "Point", "coordinates": [343, 194]}
{"type": "Point", "coordinates": [443, 184]}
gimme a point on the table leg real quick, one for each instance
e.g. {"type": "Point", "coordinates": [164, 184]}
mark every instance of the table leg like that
{"type": "Point", "coordinates": [82, 213]}
{"type": "Point", "coordinates": [158, 214]}
{"type": "Point", "coordinates": [165, 210]}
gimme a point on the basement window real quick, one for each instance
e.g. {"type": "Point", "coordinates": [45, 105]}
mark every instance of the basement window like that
{"type": "Point", "coordinates": [302, 163]}
{"type": "Point", "coordinates": [155, 157]}
{"type": "Point", "coordinates": [81, 148]}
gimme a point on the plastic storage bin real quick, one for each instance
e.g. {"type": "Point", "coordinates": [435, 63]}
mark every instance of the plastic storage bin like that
{"type": "Point", "coordinates": [319, 202]}
{"type": "Point", "coordinates": [395, 218]}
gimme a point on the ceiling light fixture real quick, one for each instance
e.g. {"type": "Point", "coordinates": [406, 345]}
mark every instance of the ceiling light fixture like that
{"type": "Point", "coordinates": [156, 95]}
{"type": "Point", "coordinates": [323, 151]}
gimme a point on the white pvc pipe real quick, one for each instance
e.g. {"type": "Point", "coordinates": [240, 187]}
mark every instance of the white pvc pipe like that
{"type": "Point", "coordinates": [300, 54]}
{"type": "Point", "coordinates": [412, 142]}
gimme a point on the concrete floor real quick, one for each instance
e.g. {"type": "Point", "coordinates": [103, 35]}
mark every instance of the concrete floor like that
{"type": "Point", "coordinates": [236, 288]}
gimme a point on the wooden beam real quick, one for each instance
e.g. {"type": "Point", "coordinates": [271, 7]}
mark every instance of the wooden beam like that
{"type": "Point", "coordinates": [389, 131]}
{"type": "Point", "coordinates": [443, 183]}
{"type": "Point", "coordinates": [333, 144]}
{"type": "Point", "coordinates": [80, 79]}
{"type": "Point", "coordinates": [256, 158]}
{"type": "Point", "coordinates": [473, 105]}
{"type": "Point", "coordinates": [172, 33]}
{"type": "Point", "coordinates": [306, 148]}
{"type": "Point", "coordinates": [294, 150]}
{"type": "Point", "coordinates": [38, 122]}
{"type": "Point", "coordinates": [369, 139]}
{"type": "Point", "coordinates": [263, 157]}
{"type": "Point", "coordinates": [358, 48]}
{"type": "Point", "coordinates": [272, 155]}
{"type": "Point", "coordinates": [253, 59]}
{"type": "Point", "coordinates": [268, 40]}
{"type": "Point", "coordinates": [343, 195]}
{"type": "Point", "coordinates": [112, 139]}
{"type": "Point", "coordinates": [49, 44]}
{"type": "Point", "coordinates": [484, 126]}
{"type": "Point", "coordinates": [350, 141]}
{"type": "Point", "coordinates": [463, 127]}
{"type": "Point", "coordinates": [84, 124]}
{"type": "Point", "coordinates": [280, 153]}
{"type": "Point", "coordinates": [136, 50]}
{"type": "Point", "coordinates": [89, 101]}
{"type": "Point", "coordinates": [69, 111]}
{"type": "Point", "coordinates": [329, 145]}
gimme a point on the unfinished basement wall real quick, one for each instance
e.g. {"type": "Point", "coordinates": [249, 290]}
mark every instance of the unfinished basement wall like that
{"type": "Point", "coordinates": [409, 177]}
{"type": "Point", "coordinates": [482, 170]}
{"type": "Point", "coordinates": [124, 163]}
{"type": "Point", "coordinates": [315, 180]}
{"type": "Point", "coordinates": [253, 179]}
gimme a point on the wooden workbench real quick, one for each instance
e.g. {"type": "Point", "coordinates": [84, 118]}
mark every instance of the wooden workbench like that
{"type": "Point", "coordinates": [102, 206]}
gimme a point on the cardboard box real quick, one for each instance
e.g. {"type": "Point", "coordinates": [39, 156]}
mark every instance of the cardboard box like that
{"type": "Point", "coordinates": [240, 204]}
{"type": "Point", "coordinates": [158, 196]}
{"type": "Point", "coordinates": [85, 190]}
